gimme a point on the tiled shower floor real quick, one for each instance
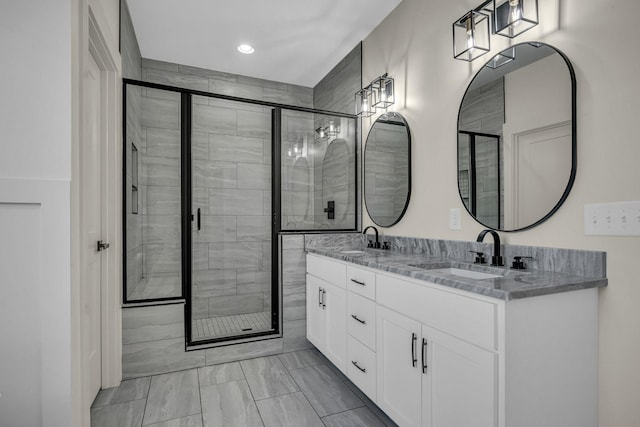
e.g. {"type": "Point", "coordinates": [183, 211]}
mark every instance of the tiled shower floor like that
{"type": "Point", "coordinates": [300, 389]}
{"type": "Point", "coordinates": [214, 327]}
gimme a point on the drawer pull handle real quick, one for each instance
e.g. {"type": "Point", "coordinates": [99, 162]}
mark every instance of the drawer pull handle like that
{"type": "Point", "coordinates": [414, 359]}
{"type": "Point", "coordinates": [359, 320]}
{"type": "Point", "coordinates": [424, 356]}
{"type": "Point", "coordinates": [358, 282]}
{"type": "Point", "coordinates": [356, 365]}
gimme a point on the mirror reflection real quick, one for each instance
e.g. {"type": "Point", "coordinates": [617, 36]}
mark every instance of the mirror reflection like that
{"type": "Point", "coordinates": [387, 171]}
{"type": "Point", "coordinates": [516, 139]}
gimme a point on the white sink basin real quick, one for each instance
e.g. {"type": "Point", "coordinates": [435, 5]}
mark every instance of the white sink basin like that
{"type": "Point", "coordinates": [352, 252]}
{"type": "Point", "coordinates": [469, 274]}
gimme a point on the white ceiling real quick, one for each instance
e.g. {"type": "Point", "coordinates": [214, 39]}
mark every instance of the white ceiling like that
{"type": "Point", "coordinates": [296, 41]}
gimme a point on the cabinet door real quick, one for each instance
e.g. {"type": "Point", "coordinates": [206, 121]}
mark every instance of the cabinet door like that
{"type": "Point", "coordinates": [335, 307]}
{"type": "Point", "coordinates": [399, 379]}
{"type": "Point", "coordinates": [459, 386]}
{"type": "Point", "coordinates": [315, 313]}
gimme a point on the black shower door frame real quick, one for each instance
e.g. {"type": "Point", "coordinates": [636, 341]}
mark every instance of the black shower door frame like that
{"type": "Point", "coordinates": [186, 208]}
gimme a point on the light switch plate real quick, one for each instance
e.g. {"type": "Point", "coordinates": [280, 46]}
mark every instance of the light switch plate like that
{"type": "Point", "coordinates": [455, 219]}
{"type": "Point", "coordinates": [612, 219]}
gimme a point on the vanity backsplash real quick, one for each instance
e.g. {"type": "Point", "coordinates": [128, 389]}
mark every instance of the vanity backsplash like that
{"type": "Point", "coordinates": [558, 260]}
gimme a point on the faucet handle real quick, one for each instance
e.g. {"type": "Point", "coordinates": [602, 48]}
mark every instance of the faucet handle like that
{"type": "Point", "coordinates": [518, 264]}
{"type": "Point", "coordinates": [479, 257]}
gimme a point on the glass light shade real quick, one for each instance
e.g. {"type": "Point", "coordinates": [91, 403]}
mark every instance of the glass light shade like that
{"type": "Point", "coordinates": [502, 58]}
{"type": "Point", "coordinates": [333, 129]}
{"type": "Point", "coordinates": [321, 132]}
{"type": "Point", "coordinates": [364, 102]}
{"type": "Point", "coordinates": [471, 36]}
{"type": "Point", "coordinates": [514, 17]}
{"type": "Point", "coordinates": [383, 91]}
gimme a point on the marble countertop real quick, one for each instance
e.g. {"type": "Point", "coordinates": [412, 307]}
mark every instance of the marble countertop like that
{"type": "Point", "coordinates": [513, 284]}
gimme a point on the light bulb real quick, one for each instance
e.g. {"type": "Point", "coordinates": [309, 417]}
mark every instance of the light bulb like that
{"type": "Point", "coordinates": [332, 127]}
{"type": "Point", "coordinates": [365, 106]}
{"type": "Point", "coordinates": [470, 41]}
{"type": "Point", "coordinates": [515, 13]}
{"type": "Point", "coordinates": [383, 95]}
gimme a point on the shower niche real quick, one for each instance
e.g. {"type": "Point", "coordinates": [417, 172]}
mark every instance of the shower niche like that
{"type": "Point", "coordinates": [215, 179]}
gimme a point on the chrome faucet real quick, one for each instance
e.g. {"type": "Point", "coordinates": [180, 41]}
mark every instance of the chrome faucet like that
{"type": "Point", "coordinates": [496, 259]}
{"type": "Point", "coordinates": [376, 244]}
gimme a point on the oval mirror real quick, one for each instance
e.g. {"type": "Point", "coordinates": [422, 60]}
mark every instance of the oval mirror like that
{"type": "Point", "coordinates": [387, 169]}
{"type": "Point", "coordinates": [516, 137]}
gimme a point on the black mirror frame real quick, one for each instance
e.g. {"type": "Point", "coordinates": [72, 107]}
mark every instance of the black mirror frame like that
{"type": "Point", "coordinates": [364, 156]}
{"type": "Point", "coordinates": [574, 145]}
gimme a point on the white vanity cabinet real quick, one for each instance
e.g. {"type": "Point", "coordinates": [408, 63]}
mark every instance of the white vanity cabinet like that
{"type": "Point", "coordinates": [437, 356]}
{"type": "Point", "coordinates": [428, 378]}
{"type": "Point", "coordinates": [327, 309]}
{"type": "Point", "coordinates": [326, 320]}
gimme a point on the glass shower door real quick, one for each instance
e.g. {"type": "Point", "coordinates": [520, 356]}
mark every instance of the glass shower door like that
{"type": "Point", "coordinates": [232, 286]}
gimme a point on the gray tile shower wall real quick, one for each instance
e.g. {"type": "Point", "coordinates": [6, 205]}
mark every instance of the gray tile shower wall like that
{"type": "Point", "coordinates": [332, 161]}
{"type": "Point", "coordinates": [231, 165]}
{"type": "Point", "coordinates": [132, 68]}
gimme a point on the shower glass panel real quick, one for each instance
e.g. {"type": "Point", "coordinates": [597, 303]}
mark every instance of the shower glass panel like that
{"type": "Point", "coordinates": [318, 172]}
{"type": "Point", "coordinates": [232, 283]}
{"type": "Point", "coordinates": [479, 176]}
{"type": "Point", "coordinates": [151, 194]}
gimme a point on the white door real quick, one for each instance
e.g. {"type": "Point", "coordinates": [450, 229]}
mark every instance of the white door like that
{"type": "Point", "coordinates": [459, 386]}
{"type": "Point", "coordinates": [542, 170]}
{"type": "Point", "coordinates": [315, 314]}
{"type": "Point", "coordinates": [336, 325]}
{"type": "Point", "coordinates": [91, 196]}
{"type": "Point", "coordinates": [399, 380]}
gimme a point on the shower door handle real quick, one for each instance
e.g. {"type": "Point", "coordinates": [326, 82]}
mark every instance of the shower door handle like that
{"type": "Point", "coordinates": [198, 219]}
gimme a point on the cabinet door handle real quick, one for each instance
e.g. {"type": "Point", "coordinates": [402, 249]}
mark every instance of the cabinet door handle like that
{"type": "Point", "coordinates": [414, 359]}
{"type": "Point", "coordinates": [424, 356]}
{"type": "Point", "coordinates": [324, 299]}
{"type": "Point", "coordinates": [199, 220]}
{"type": "Point", "coordinates": [358, 282]}
{"type": "Point", "coordinates": [359, 320]}
{"type": "Point", "coordinates": [356, 365]}
{"type": "Point", "coordinates": [319, 297]}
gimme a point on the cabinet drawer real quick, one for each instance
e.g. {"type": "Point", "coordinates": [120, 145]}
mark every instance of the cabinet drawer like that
{"type": "Point", "coordinates": [461, 316]}
{"type": "Point", "coordinates": [326, 269]}
{"type": "Point", "coordinates": [364, 374]}
{"type": "Point", "coordinates": [361, 319]}
{"type": "Point", "coordinates": [361, 281]}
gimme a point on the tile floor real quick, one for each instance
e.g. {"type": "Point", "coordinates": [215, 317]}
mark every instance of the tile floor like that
{"type": "Point", "coordinates": [214, 327]}
{"type": "Point", "coordinates": [298, 389]}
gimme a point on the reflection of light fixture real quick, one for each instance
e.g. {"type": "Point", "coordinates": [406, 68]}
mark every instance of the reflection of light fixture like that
{"type": "Point", "coordinates": [321, 132]}
{"type": "Point", "coordinates": [514, 17]}
{"type": "Point", "coordinates": [333, 130]}
{"type": "Point", "coordinates": [296, 148]}
{"type": "Point", "coordinates": [502, 58]}
{"type": "Point", "coordinates": [509, 17]}
{"type": "Point", "coordinates": [471, 36]}
{"type": "Point", "coordinates": [246, 49]}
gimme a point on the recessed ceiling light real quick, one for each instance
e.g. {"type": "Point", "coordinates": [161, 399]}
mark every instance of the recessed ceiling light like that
{"type": "Point", "coordinates": [246, 49]}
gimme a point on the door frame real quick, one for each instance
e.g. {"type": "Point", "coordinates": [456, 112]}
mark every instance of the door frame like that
{"type": "Point", "coordinates": [93, 39]}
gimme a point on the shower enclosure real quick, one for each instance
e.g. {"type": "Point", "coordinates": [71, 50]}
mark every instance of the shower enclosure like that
{"type": "Point", "coordinates": [479, 176]}
{"type": "Point", "coordinates": [209, 182]}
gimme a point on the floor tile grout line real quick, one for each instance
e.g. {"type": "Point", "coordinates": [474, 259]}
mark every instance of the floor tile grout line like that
{"type": "Point", "coordinates": [200, 395]}
{"type": "Point", "coordinates": [251, 393]}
